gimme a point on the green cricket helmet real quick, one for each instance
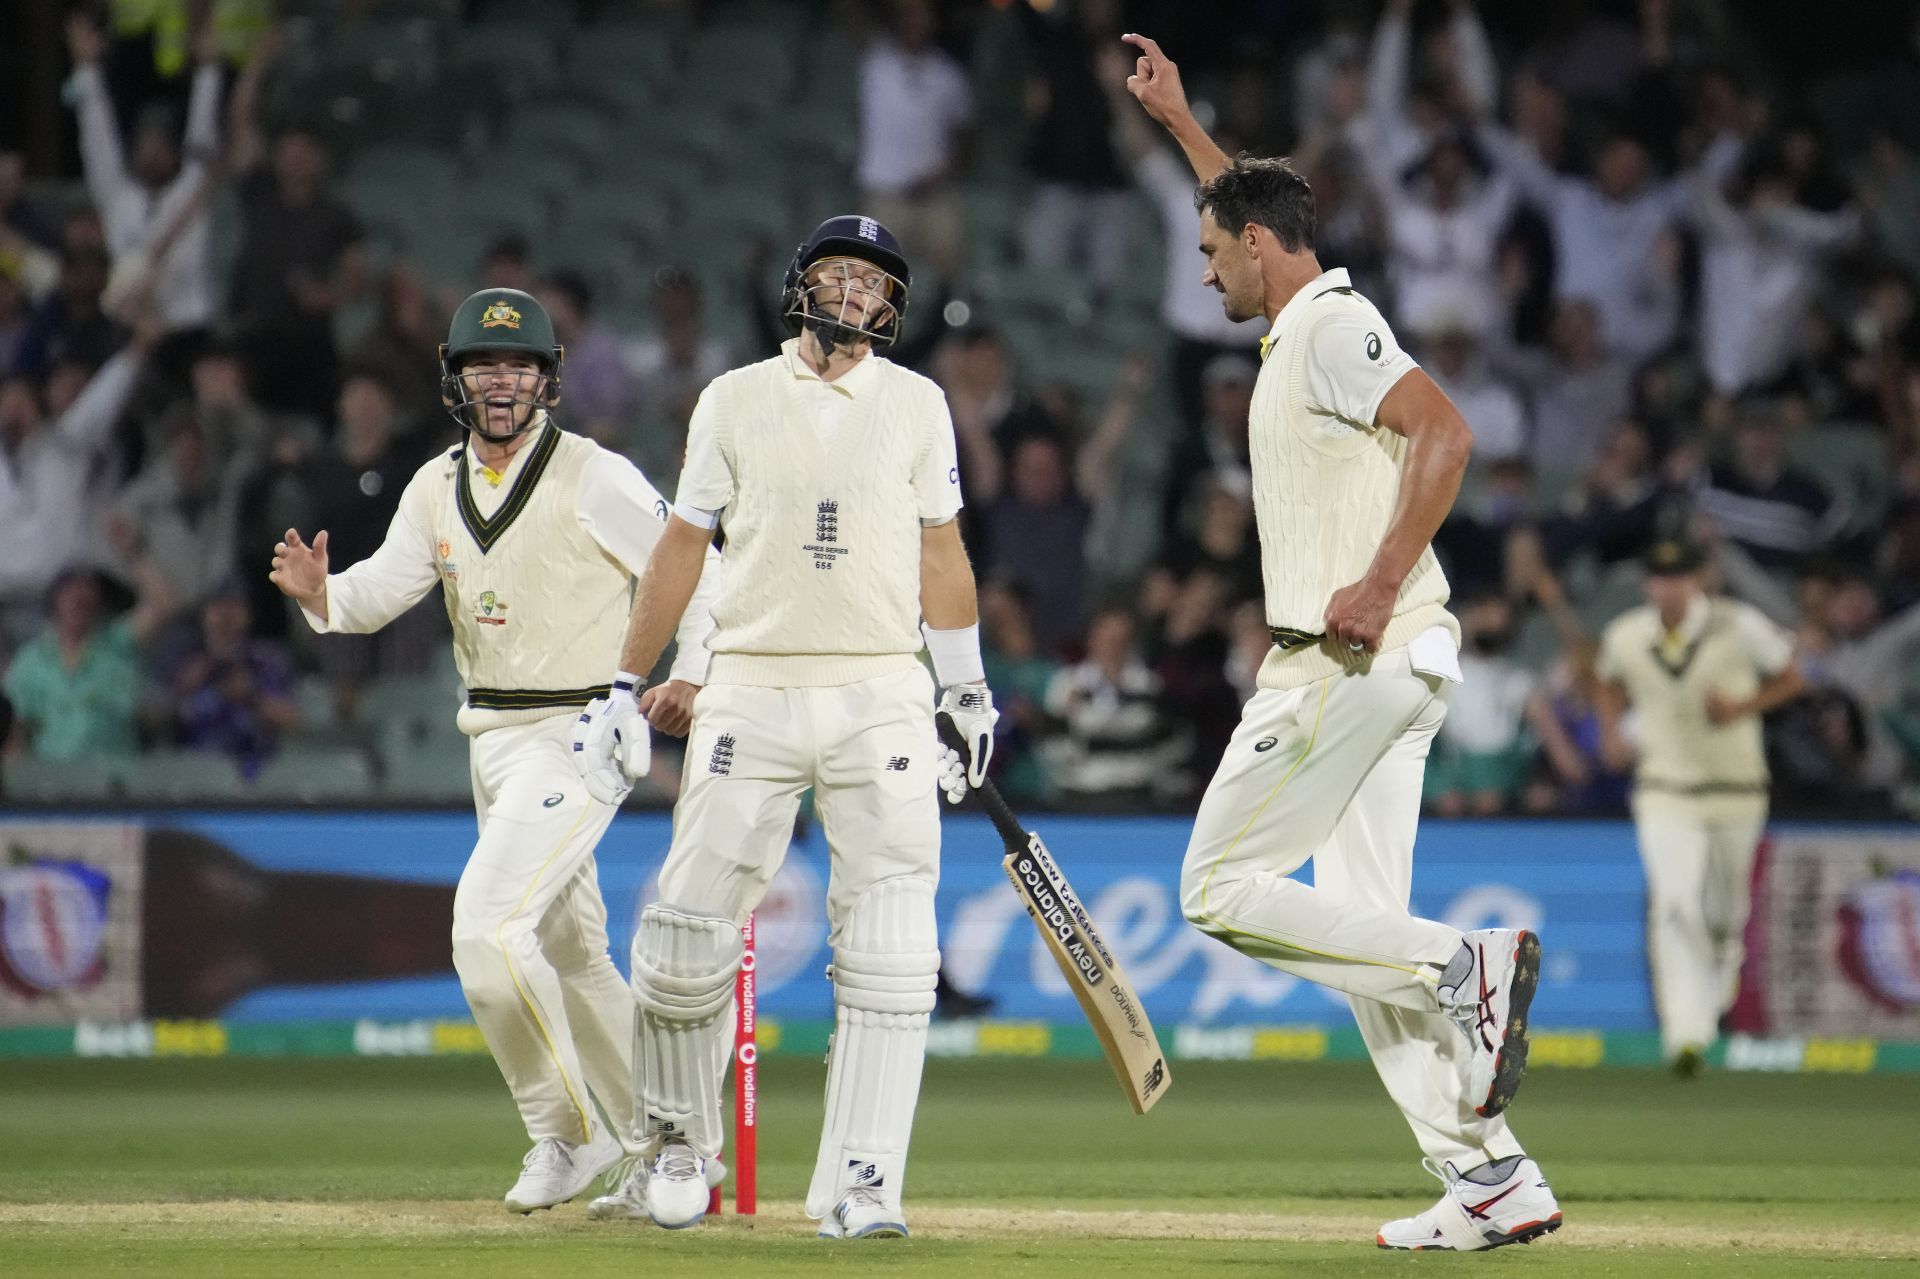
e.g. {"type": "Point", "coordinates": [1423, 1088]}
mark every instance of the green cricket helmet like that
{"type": "Point", "coordinates": [499, 322]}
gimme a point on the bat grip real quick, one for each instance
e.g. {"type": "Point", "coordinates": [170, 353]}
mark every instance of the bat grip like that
{"type": "Point", "coordinates": [1004, 821]}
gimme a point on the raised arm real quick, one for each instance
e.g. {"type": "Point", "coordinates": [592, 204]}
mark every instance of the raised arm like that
{"type": "Point", "coordinates": [1093, 468]}
{"type": "Point", "coordinates": [1479, 74]}
{"type": "Point", "coordinates": [247, 138]}
{"type": "Point", "coordinates": [101, 158]}
{"type": "Point", "coordinates": [1155, 84]}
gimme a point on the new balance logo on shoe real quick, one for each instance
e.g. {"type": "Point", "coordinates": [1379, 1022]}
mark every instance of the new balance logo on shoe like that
{"type": "Point", "coordinates": [721, 762]}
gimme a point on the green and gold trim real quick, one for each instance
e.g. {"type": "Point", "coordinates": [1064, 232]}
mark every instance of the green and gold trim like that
{"type": "Point", "coordinates": [533, 699]}
{"type": "Point", "coordinates": [486, 530]}
{"type": "Point", "coordinates": [1286, 638]}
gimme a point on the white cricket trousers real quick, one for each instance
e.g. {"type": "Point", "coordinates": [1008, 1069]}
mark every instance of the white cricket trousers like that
{"type": "Point", "coordinates": [530, 935]}
{"type": "Point", "coordinates": [1698, 853]}
{"type": "Point", "coordinates": [867, 749]}
{"type": "Point", "coordinates": [1332, 772]}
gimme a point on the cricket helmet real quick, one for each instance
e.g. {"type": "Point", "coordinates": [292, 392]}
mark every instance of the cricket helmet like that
{"type": "Point", "coordinates": [855, 236]}
{"type": "Point", "coordinates": [499, 321]}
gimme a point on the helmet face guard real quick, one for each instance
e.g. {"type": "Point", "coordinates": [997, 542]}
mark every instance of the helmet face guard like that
{"type": "Point", "coordinates": [847, 284]}
{"type": "Point", "coordinates": [536, 391]}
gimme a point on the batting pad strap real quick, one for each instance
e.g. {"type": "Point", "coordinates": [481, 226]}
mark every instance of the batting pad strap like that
{"type": "Point", "coordinates": [683, 971]}
{"type": "Point", "coordinates": [955, 654]}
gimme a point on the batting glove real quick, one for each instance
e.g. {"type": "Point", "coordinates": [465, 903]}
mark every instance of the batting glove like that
{"type": "Point", "coordinates": [611, 745]}
{"type": "Point", "coordinates": [971, 706]}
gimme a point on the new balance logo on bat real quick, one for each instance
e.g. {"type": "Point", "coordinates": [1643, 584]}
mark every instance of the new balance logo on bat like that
{"type": "Point", "coordinates": [1047, 909]}
{"type": "Point", "coordinates": [721, 762]}
{"type": "Point", "coordinates": [1156, 1075]}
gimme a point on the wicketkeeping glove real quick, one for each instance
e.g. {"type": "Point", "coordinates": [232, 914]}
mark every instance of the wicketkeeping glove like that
{"type": "Point", "coordinates": [612, 745]}
{"type": "Point", "coordinates": [971, 706]}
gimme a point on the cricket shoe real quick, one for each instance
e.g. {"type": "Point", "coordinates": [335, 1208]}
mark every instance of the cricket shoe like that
{"type": "Point", "coordinates": [626, 1197]}
{"type": "Point", "coordinates": [1487, 990]}
{"type": "Point", "coordinates": [555, 1171]}
{"type": "Point", "coordinates": [1471, 1216]}
{"type": "Point", "coordinates": [864, 1214]}
{"type": "Point", "coordinates": [679, 1184]}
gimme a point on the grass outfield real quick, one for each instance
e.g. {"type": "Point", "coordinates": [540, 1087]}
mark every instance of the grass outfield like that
{"type": "Point", "coordinates": [1022, 1168]}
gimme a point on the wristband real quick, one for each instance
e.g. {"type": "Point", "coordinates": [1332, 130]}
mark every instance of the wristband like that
{"type": "Point", "coordinates": [628, 683]}
{"type": "Point", "coordinates": [956, 655]}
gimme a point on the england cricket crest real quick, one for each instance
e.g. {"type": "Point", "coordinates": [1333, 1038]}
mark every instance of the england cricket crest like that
{"type": "Point", "coordinates": [825, 547]}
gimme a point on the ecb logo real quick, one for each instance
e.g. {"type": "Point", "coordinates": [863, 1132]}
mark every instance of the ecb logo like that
{"type": "Point", "coordinates": [869, 230]}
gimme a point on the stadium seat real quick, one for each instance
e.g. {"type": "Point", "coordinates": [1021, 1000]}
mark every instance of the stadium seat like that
{"type": "Point", "coordinates": [306, 775]}
{"type": "Point", "coordinates": [183, 777]}
{"type": "Point", "coordinates": [50, 781]}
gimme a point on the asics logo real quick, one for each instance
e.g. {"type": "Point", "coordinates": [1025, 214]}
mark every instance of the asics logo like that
{"type": "Point", "coordinates": [1483, 1014]}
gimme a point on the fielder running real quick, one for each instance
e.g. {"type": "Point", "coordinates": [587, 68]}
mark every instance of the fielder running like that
{"type": "Point", "coordinates": [535, 536]}
{"type": "Point", "coordinates": [1700, 670]}
{"type": "Point", "coordinates": [1357, 456]}
{"type": "Point", "coordinates": [833, 472]}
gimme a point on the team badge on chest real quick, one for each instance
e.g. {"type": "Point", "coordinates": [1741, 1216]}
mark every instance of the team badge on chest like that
{"type": "Point", "coordinates": [825, 547]}
{"type": "Point", "coordinates": [491, 610]}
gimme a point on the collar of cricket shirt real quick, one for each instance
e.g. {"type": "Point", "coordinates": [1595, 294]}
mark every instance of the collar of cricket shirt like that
{"type": "Point", "coordinates": [1321, 285]}
{"type": "Point", "coordinates": [523, 472]}
{"type": "Point", "coordinates": [852, 384]}
{"type": "Point", "coordinates": [1675, 646]}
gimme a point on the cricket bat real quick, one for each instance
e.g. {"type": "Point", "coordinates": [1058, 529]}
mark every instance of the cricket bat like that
{"type": "Point", "coordinates": [1105, 994]}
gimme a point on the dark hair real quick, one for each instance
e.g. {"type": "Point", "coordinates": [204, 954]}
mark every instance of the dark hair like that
{"type": "Point", "coordinates": [1264, 192]}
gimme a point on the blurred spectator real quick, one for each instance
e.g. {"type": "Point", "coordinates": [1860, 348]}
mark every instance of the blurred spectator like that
{"type": "Point", "coordinates": [1220, 540]}
{"type": "Point", "coordinates": [13, 317]}
{"type": "Point", "coordinates": [1118, 745]}
{"type": "Point", "coordinates": [229, 691]}
{"type": "Point", "coordinates": [1760, 251]}
{"type": "Point", "coordinates": [75, 686]}
{"type": "Point", "coordinates": [1191, 310]}
{"type": "Point", "coordinates": [1037, 521]}
{"type": "Point", "coordinates": [1575, 390]}
{"type": "Point", "coordinates": [224, 406]}
{"type": "Point", "coordinates": [1189, 652]}
{"type": "Point", "coordinates": [1848, 646]}
{"type": "Point", "coordinates": [53, 455]}
{"type": "Point", "coordinates": [301, 255]}
{"type": "Point", "coordinates": [1444, 221]}
{"type": "Point", "coordinates": [1483, 753]}
{"type": "Point", "coordinates": [1219, 450]}
{"type": "Point", "coordinates": [1890, 195]}
{"type": "Point", "coordinates": [1077, 213]}
{"type": "Point", "coordinates": [182, 511]}
{"type": "Point", "coordinates": [154, 199]}
{"type": "Point", "coordinates": [403, 344]}
{"type": "Point", "coordinates": [1019, 674]}
{"type": "Point", "coordinates": [507, 263]}
{"type": "Point", "coordinates": [1775, 511]}
{"type": "Point", "coordinates": [23, 219]}
{"type": "Point", "coordinates": [1407, 114]}
{"type": "Point", "coordinates": [69, 325]}
{"type": "Point", "coordinates": [671, 367]}
{"type": "Point", "coordinates": [1473, 542]}
{"type": "Point", "coordinates": [1623, 502]}
{"type": "Point", "coordinates": [355, 490]}
{"type": "Point", "coordinates": [1490, 406]}
{"type": "Point", "coordinates": [1577, 778]}
{"type": "Point", "coordinates": [28, 238]}
{"type": "Point", "coordinates": [990, 414]}
{"type": "Point", "coordinates": [1613, 235]}
{"type": "Point", "coordinates": [915, 108]}
{"type": "Point", "coordinates": [598, 389]}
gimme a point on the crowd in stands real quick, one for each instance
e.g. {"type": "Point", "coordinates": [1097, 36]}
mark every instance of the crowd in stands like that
{"type": "Point", "coordinates": [1667, 272]}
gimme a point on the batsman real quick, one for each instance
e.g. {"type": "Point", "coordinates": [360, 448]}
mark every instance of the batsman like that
{"type": "Point", "coordinates": [833, 472]}
{"type": "Point", "coordinates": [534, 535]}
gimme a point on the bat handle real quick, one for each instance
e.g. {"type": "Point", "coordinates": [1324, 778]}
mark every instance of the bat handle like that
{"type": "Point", "coordinates": [1004, 820]}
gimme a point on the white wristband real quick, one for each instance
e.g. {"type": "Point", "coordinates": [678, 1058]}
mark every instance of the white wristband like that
{"type": "Point", "coordinates": [956, 655]}
{"type": "Point", "coordinates": [628, 683]}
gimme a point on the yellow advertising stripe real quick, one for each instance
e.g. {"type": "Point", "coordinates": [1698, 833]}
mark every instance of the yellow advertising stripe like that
{"type": "Point", "coordinates": [1234, 843]}
{"type": "Point", "coordinates": [526, 997]}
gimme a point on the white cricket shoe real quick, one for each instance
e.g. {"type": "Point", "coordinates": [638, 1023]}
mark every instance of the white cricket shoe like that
{"type": "Point", "coordinates": [678, 1185]}
{"type": "Point", "coordinates": [1487, 991]}
{"type": "Point", "coordinates": [864, 1214]}
{"type": "Point", "coordinates": [626, 1197]}
{"type": "Point", "coordinates": [1471, 1216]}
{"type": "Point", "coordinates": [554, 1171]}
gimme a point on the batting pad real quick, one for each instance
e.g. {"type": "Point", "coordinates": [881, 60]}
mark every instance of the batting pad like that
{"type": "Point", "coordinates": [884, 971]}
{"type": "Point", "coordinates": [683, 970]}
